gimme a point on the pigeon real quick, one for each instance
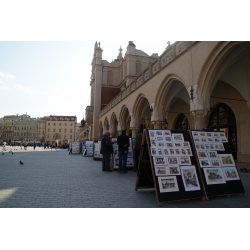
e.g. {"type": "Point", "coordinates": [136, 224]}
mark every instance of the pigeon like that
{"type": "Point", "coordinates": [12, 152]}
{"type": "Point", "coordinates": [21, 162]}
{"type": "Point", "coordinates": [2, 153]}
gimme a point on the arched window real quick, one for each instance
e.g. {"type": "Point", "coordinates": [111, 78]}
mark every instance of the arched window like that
{"type": "Point", "coordinates": [182, 122]}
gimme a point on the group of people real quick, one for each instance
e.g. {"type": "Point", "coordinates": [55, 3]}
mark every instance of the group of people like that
{"type": "Point", "coordinates": [123, 145]}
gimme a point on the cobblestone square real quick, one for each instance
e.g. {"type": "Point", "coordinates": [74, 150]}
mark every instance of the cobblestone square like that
{"type": "Point", "coordinates": [51, 179]}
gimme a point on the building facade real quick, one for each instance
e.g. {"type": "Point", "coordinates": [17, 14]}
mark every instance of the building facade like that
{"type": "Point", "coordinates": [60, 129]}
{"type": "Point", "coordinates": [8, 128]}
{"type": "Point", "coordinates": [1, 129]}
{"type": "Point", "coordinates": [191, 85]}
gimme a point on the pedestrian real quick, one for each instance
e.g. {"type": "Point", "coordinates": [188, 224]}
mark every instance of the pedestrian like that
{"type": "Point", "coordinates": [34, 144]}
{"type": "Point", "coordinates": [123, 143]}
{"type": "Point", "coordinates": [44, 145]}
{"type": "Point", "coordinates": [137, 148]}
{"type": "Point", "coordinates": [106, 151]}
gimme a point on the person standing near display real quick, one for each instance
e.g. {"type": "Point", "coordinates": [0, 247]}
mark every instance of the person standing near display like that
{"type": "Point", "coordinates": [106, 151]}
{"type": "Point", "coordinates": [123, 143]}
{"type": "Point", "coordinates": [137, 148]}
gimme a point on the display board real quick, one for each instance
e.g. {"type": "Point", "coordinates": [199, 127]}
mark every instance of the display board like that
{"type": "Point", "coordinates": [168, 164]}
{"type": "Point", "coordinates": [88, 148]}
{"type": "Point", "coordinates": [216, 163]}
{"type": "Point", "coordinates": [75, 146]}
{"type": "Point", "coordinates": [130, 160]}
{"type": "Point", "coordinates": [97, 148]}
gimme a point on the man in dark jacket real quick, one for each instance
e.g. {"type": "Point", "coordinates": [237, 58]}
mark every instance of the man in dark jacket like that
{"type": "Point", "coordinates": [137, 148]}
{"type": "Point", "coordinates": [123, 143]}
{"type": "Point", "coordinates": [106, 151]}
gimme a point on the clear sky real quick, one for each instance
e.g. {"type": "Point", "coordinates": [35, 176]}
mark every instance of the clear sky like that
{"type": "Point", "coordinates": [52, 78]}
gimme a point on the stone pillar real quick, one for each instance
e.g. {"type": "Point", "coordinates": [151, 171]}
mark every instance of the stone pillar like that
{"type": "Point", "coordinates": [201, 118]}
{"type": "Point", "coordinates": [157, 124]}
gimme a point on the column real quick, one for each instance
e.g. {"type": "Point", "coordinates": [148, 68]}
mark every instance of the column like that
{"type": "Point", "coordinates": [201, 118]}
{"type": "Point", "coordinates": [157, 124]}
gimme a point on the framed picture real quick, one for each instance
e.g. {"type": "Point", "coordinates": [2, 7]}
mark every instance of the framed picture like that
{"type": "Point", "coordinates": [216, 146]}
{"type": "Point", "coordinates": [196, 139]}
{"type": "Point", "coordinates": [209, 134]}
{"type": "Point", "coordinates": [204, 163]}
{"type": "Point", "coordinates": [223, 139]}
{"type": "Point", "coordinates": [212, 154]}
{"type": "Point", "coordinates": [169, 144]}
{"type": "Point", "coordinates": [116, 163]}
{"type": "Point", "coordinates": [184, 160]}
{"type": "Point", "coordinates": [130, 152]}
{"type": "Point", "coordinates": [210, 139]}
{"type": "Point", "coordinates": [151, 134]}
{"type": "Point", "coordinates": [160, 170]}
{"type": "Point", "coordinates": [167, 133]}
{"type": "Point", "coordinates": [221, 146]}
{"type": "Point", "coordinates": [202, 146]}
{"type": "Point", "coordinates": [214, 176]}
{"type": "Point", "coordinates": [160, 151]}
{"type": "Point", "coordinates": [172, 161]}
{"type": "Point", "coordinates": [189, 152]}
{"type": "Point", "coordinates": [197, 146]}
{"type": "Point", "coordinates": [230, 173]}
{"type": "Point", "coordinates": [226, 160]}
{"type": "Point", "coordinates": [215, 134]}
{"type": "Point", "coordinates": [217, 139]}
{"type": "Point", "coordinates": [159, 138]}
{"type": "Point", "coordinates": [130, 162]}
{"type": "Point", "coordinates": [160, 161]}
{"type": "Point", "coordinates": [203, 134]}
{"type": "Point", "coordinates": [211, 146]}
{"type": "Point", "coordinates": [161, 144]}
{"type": "Point", "coordinates": [178, 144]}
{"type": "Point", "coordinates": [186, 144]}
{"type": "Point", "coordinates": [202, 154]}
{"type": "Point", "coordinates": [183, 152]}
{"type": "Point", "coordinates": [115, 152]}
{"type": "Point", "coordinates": [168, 138]}
{"type": "Point", "coordinates": [203, 139]}
{"type": "Point", "coordinates": [177, 151]}
{"type": "Point", "coordinates": [195, 133]}
{"type": "Point", "coordinates": [153, 143]}
{"type": "Point", "coordinates": [207, 146]}
{"type": "Point", "coordinates": [189, 178]}
{"type": "Point", "coordinates": [177, 137]}
{"type": "Point", "coordinates": [154, 151]}
{"type": "Point", "coordinates": [158, 133]}
{"type": "Point", "coordinates": [222, 134]}
{"type": "Point", "coordinates": [215, 162]}
{"type": "Point", "coordinates": [173, 170]}
{"type": "Point", "coordinates": [172, 152]}
{"type": "Point", "coordinates": [166, 152]}
{"type": "Point", "coordinates": [168, 184]}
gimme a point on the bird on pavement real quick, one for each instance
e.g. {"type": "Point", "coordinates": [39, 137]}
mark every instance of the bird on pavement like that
{"type": "Point", "coordinates": [2, 153]}
{"type": "Point", "coordinates": [21, 162]}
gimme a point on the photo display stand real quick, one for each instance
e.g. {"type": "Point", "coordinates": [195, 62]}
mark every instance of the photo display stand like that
{"type": "Point", "coordinates": [216, 164]}
{"type": "Point", "coordinates": [166, 166]}
{"type": "Point", "coordinates": [97, 156]}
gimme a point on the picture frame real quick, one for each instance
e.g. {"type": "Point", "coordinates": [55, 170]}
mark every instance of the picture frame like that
{"type": "Point", "coordinates": [130, 162]}
{"type": "Point", "coordinates": [197, 146]}
{"type": "Point", "coordinates": [190, 178]}
{"type": "Point", "coordinates": [214, 176]}
{"type": "Point", "coordinates": [158, 133]}
{"type": "Point", "coordinates": [166, 152]}
{"type": "Point", "coordinates": [226, 160]}
{"type": "Point", "coordinates": [172, 152]}
{"type": "Point", "coordinates": [159, 138]}
{"type": "Point", "coordinates": [202, 134]}
{"type": "Point", "coordinates": [160, 144]}
{"type": "Point", "coordinates": [177, 137]}
{"type": "Point", "coordinates": [160, 170]}
{"type": "Point", "coordinates": [167, 138]}
{"type": "Point", "coordinates": [207, 146]}
{"type": "Point", "coordinates": [203, 139]}
{"type": "Point", "coordinates": [230, 173]}
{"type": "Point", "coordinates": [167, 133]}
{"type": "Point", "coordinates": [209, 134]}
{"type": "Point", "coordinates": [151, 134]}
{"type": "Point", "coordinates": [223, 139]}
{"type": "Point", "coordinates": [222, 134]}
{"type": "Point", "coordinates": [168, 184]}
{"type": "Point", "coordinates": [202, 146]}
{"type": "Point", "coordinates": [215, 163]}
{"type": "Point", "coordinates": [160, 152]}
{"type": "Point", "coordinates": [216, 146]}
{"type": "Point", "coordinates": [204, 162]}
{"type": "Point", "coordinates": [215, 134]}
{"type": "Point", "coordinates": [178, 144]}
{"type": "Point", "coordinates": [186, 144]}
{"type": "Point", "coordinates": [185, 160]}
{"type": "Point", "coordinates": [217, 139]}
{"type": "Point", "coordinates": [210, 139]}
{"type": "Point", "coordinates": [211, 146]}
{"type": "Point", "coordinates": [169, 144]}
{"type": "Point", "coordinates": [221, 147]}
{"type": "Point", "coordinates": [153, 143]}
{"type": "Point", "coordinates": [173, 170]}
{"type": "Point", "coordinates": [160, 161]}
{"type": "Point", "coordinates": [196, 139]}
{"type": "Point", "coordinates": [202, 154]}
{"type": "Point", "coordinates": [177, 151]}
{"type": "Point", "coordinates": [195, 133]}
{"type": "Point", "coordinates": [189, 152]}
{"type": "Point", "coordinates": [154, 151]}
{"type": "Point", "coordinates": [172, 160]}
{"type": "Point", "coordinates": [212, 154]}
{"type": "Point", "coordinates": [183, 152]}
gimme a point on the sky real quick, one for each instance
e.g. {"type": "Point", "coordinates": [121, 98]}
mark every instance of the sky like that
{"type": "Point", "coordinates": [52, 78]}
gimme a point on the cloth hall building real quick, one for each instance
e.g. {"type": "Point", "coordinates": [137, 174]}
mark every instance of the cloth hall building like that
{"type": "Point", "coordinates": [191, 85]}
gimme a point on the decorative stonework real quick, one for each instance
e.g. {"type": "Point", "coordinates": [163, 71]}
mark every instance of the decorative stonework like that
{"type": "Point", "coordinates": [147, 75]}
{"type": "Point", "coordinates": [128, 88]}
{"type": "Point", "coordinates": [158, 123]}
{"type": "Point", "coordinates": [200, 113]}
{"type": "Point", "coordinates": [181, 47]}
{"type": "Point", "coordinates": [133, 86]}
{"type": "Point", "coordinates": [123, 94]}
{"type": "Point", "coordinates": [169, 57]}
{"type": "Point", "coordinates": [155, 68]}
{"type": "Point", "coordinates": [139, 81]}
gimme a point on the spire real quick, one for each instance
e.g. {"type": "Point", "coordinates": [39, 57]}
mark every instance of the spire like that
{"type": "Point", "coordinates": [120, 54]}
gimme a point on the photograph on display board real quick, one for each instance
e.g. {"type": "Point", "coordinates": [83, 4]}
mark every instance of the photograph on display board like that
{"type": "Point", "coordinates": [172, 152]}
{"type": "Point", "coordinates": [160, 170]}
{"type": "Point", "coordinates": [226, 160]}
{"type": "Point", "coordinates": [217, 140]}
{"type": "Point", "coordinates": [161, 144]}
{"type": "Point", "coordinates": [172, 161]}
{"type": "Point", "coordinates": [169, 144]}
{"type": "Point", "coordinates": [203, 134]}
{"type": "Point", "coordinates": [177, 151]}
{"type": "Point", "coordinates": [115, 151]}
{"type": "Point", "coordinates": [230, 173]}
{"type": "Point", "coordinates": [177, 137]}
{"type": "Point", "coordinates": [130, 152]}
{"type": "Point", "coordinates": [212, 154]}
{"type": "Point", "coordinates": [203, 139]}
{"type": "Point", "coordinates": [215, 134]}
{"type": "Point", "coordinates": [214, 176]}
{"type": "Point", "coordinates": [210, 139]}
{"type": "Point", "coordinates": [197, 146]}
{"type": "Point", "coordinates": [189, 178]}
{"type": "Point", "coordinates": [159, 139]}
{"type": "Point", "coordinates": [204, 163]}
{"type": "Point", "coordinates": [173, 170]}
{"type": "Point", "coordinates": [153, 143]}
{"type": "Point", "coordinates": [189, 152]}
{"type": "Point", "coordinates": [211, 146]}
{"type": "Point", "coordinates": [167, 138]}
{"type": "Point", "coordinates": [202, 154]}
{"type": "Point", "coordinates": [159, 161]}
{"type": "Point", "coordinates": [184, 160]}
{"type": "Point", "coordinates": [130, 162]}
{"type": "Point", "coordinates": [166, 152]}
{"type": "Point", "coordinates": [167, 133]}
{"type": "Point", "coordinates": [195, 133]}
{"type": "Point", "coordinates": [221, 146]}
{"type": "Point", "coordinates": [222, 134]}
{"type": "Point", "coordinates": [158, 133]}
{"type": "Point", "coordinates": [168, 184]}
{"type": "Point", "coordinates": [116, 163]}
{"type": "Point", "coordinates": [209, 134]}
{"type": "Point", "coordinates": [202, 146]}
{"type": "Point", "coordinates": [160, 152]}
{"type": "Point", "coordinates": [178, 144]}
{"type": "Point", "coordinates": [154, 151]}
{"type": "Point", "coordinates": [207, 147]}
{"type": "Point", "coordinates": [185, 144]}
{"type": "Point", "coordinates": [183, 152]}
{"type": "Point", "coordinates": [151, 134]}
{"type": "Point", "coordinates": [216, 146]}
{"type": "Point", "coordinates": [223, 139]}
{"type": "Point", "coordinates": [215, 162]}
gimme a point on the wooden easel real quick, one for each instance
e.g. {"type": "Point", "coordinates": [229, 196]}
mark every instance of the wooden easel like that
{"type": "Point", "coordinates": [146, 175]}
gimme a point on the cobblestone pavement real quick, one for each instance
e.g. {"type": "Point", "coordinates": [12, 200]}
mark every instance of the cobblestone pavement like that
{"type": "Point", "coordinates": [51, 179]}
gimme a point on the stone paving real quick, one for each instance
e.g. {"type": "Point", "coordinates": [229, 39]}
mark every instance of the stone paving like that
{"type": "Point", "coordinates": [51, 179]}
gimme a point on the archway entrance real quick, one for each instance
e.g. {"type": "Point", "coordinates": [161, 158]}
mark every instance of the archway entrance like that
{"type": "Point", "coordinates": [182, 122]}
{"type": "Point", "coordinates": [223, 119]}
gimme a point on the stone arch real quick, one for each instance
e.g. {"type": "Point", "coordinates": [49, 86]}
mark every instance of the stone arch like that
{"type": "Point", "coordinates": [124, 118]}
{"type": "Point", "coordinates": [106, 124]}
{"type": "Point", "coordinates": [113, 125]}
{"type": "Point", "coordinates": [110, 77]}
{"type": "Point", "coordinates": [214, 66]}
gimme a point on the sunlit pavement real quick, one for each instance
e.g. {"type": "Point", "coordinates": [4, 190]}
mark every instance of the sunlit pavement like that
{"type": "Point", "coordinates": [51, 179]}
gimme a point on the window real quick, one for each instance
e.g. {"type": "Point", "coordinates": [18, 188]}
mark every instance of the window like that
{"type": "Point", "coordinates": [71, 131]}
{"type": "Point", "coordinates": [60, 124]}
{"type": "Point", "coordinates": [49, 124]}
{"type": "Point", "coordinates": [71, 124]}
{"type": "Point", "coordinates": [182, 122]}
{"type": "Point", "coordinates": [54, 124]}
{"type": "Point", "coordinates": [21, 134]}
{"type": "Point", "coordinates": [72, 119]}
{"type": "Point", "coordinates": [33, 134]}
{"type": "Point", "coordinates": [65, 130]}
{"type": "Point", "coordinates": [59, 130]}
{"type": "Point", "coordinates": [17, 133]}
{"type": "Point", "coordinates": [54, 130]}
{"type": "Point", "coordinates": [48, 130]}
{"type": "Point", "coordinates": [65, 124]}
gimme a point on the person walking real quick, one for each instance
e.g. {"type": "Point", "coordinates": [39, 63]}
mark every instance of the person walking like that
{"type": "Point", "coordinates": [123, 143]}
{"type": "Point", "coordinates": [106, 151]}
{"type": "Point", "coordinates": [137, 148]}
{"type": "Point", "coordinates": [44, 145]}
{"type": "Point", "coordinates": [34, 144]}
